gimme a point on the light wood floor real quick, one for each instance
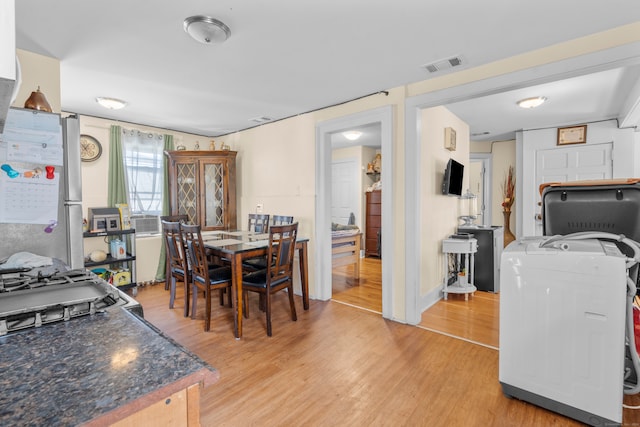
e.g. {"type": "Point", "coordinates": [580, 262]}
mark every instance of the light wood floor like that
{"type": "Point", "coordinates": [340, 365]}
{"type": "Point", "coordinates": [365, 292]}
{"type": "Point", "coordinates": [476, 320]}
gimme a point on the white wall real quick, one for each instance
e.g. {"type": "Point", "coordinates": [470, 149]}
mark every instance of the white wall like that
{"type": "Point", "coordinates": [439, 213]}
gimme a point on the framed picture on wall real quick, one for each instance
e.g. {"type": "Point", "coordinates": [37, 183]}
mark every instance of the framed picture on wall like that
{"type": "Point", "coordinates": [572, 135]}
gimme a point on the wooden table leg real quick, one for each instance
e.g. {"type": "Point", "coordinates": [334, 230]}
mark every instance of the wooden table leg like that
{"type": "Point", "coordinates": [304, 275]}
{"type": "Point", "coordinates": [236, 271]}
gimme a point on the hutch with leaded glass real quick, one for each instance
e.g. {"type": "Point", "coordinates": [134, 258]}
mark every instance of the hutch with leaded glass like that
{"type": "Point", "coordinates": [202, 185]}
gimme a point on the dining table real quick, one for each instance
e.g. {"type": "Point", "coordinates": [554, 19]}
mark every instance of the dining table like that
{"type": "Point", "coordinates": [235, 246]}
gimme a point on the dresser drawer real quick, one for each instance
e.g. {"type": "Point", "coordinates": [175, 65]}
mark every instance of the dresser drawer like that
{"type": "Point", "coordinates": [375, 196]}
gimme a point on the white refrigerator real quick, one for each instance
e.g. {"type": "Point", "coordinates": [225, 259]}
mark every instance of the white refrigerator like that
{"type": "Point", "coordinates": [41, 186]}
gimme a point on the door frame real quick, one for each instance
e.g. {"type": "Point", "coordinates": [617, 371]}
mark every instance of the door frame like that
{"type": "Point", "coordinates": [384, 116]}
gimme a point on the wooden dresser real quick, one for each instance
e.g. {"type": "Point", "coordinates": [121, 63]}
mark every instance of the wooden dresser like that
{"type": "Point", "coordinates": [373, 224]}
{"type": "Point", "coordinates": [202, 185]}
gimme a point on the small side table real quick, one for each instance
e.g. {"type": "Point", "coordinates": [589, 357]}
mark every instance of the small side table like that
{"type": "Point", "coordinates": [466, 247]}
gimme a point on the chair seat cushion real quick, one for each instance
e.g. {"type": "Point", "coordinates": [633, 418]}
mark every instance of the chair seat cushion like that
{"type": "Point", "coordinates": [256, 263]}
{"type": "Point", "coordinates": [258, 279]}
{"type": "Point", "coordinates": [177, 270]}
{"type": "Point", "coordinates": [217, 275]}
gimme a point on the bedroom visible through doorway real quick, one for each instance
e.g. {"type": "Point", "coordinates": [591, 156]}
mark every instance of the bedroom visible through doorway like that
{"type": "Point", "coordinates": [355, 172]}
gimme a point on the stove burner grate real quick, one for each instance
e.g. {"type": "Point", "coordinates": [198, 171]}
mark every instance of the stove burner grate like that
{"type": "Point", "coordinates": [26, 279]}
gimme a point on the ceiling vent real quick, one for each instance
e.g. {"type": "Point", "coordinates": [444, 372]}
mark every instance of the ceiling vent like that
{"type": "Point", "coordinates": [262, 119]}
{"type": "Point", "coordinates": [444, 64]}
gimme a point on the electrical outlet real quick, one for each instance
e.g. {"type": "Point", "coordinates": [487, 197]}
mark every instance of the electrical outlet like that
{"type": "Point", "coordinates": [259, 208]}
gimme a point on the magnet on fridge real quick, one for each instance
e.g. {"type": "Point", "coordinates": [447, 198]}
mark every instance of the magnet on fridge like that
{"type": "Point", "coordinates": [10, 171]}
{"type": "Point", "coordinates": [50, 170]}
{"type": "Point", "coordinates": [49, 228]}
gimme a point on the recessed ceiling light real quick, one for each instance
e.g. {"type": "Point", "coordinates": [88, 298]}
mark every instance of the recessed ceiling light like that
{"type": "Point", "coordinates": [352, 135]}
{"type": "Point", "coordinates": [111, 103]}
{"type": "Point", "coordinates": [532, 102]}
{"type": "Point", "coordinates": [206, 29]}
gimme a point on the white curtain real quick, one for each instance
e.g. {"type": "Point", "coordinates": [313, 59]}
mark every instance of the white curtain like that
{"type": "Point", "coordinates": [143, 159]}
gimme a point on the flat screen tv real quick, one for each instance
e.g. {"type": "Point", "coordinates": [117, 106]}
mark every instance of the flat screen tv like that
{"type": "Point", "coordinates": [452, 183]}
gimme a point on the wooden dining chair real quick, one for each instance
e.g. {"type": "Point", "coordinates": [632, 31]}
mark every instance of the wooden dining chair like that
{"type": "Point", "coordinates": [281, 220]}
{"type": "Point", "coordinates": [171, 218]}
{"type": "Point", "coordinates": [260, 263]}
{"type": "Point", "coordinates": [177, 264]}
{"type": "Point", "coordinates": [204, 277]}
{"type": "Point", "coordinates": [258, 223]}
{"type": "Point", "coordinates": [278, 275]}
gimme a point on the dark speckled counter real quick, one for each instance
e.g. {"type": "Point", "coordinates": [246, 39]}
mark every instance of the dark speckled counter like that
{"type": "Point", "coordinates": [91, 370]}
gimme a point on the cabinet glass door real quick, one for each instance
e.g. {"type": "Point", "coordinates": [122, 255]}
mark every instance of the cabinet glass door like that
{"type": "Point", "coordinates": [187, 191]}
{"type": "Point", "coordinates": [215, 189]}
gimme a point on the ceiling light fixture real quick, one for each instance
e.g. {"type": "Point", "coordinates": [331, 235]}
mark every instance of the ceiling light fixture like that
{"type": "Point", "coordinates": [352, 135]}
{"type": "Point", "coordinates": [111, 103]}
{"type": "Point", "coordinates": [532, 102]}
{"type": "Point", "coordinates": [206, 29]}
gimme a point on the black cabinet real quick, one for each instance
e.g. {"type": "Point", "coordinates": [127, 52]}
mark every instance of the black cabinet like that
{"type": "Point", "coordinates": [487, 259]}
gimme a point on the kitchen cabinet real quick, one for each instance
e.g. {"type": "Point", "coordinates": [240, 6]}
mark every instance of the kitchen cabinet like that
{"type": "Point", "coordinates": [123, 266]}
{"type": "Point", "coordinates": [115, 369]}
{"type": "Point", "coordinates": [180, 409]}
{"type": "Point", "coordinates": [373, 224]}
{"type": "Point", "coordinates": [202, 185]}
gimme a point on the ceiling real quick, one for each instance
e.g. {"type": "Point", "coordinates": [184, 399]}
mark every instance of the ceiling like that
{"type": "Point", "coordinates": [289, 57]}
{"type": "Point", "coordinates": [587, 98]}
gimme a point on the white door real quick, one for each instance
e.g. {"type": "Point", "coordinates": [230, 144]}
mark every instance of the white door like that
{"type": "Point", "coordinates": [345, 197]}
{"type": "Point", "coordinates": [574, 163]}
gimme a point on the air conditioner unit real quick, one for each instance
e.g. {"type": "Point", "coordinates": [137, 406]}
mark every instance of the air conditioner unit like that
{"type": "Point", "coordinates": [146, 224]}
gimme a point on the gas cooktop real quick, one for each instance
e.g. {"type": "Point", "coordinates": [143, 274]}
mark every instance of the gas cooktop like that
{"type": "Point", "coordinates": [34, 297]}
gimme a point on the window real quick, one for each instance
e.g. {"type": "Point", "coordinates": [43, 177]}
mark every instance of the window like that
{"type": "Point", "coordinates": [143, 161]}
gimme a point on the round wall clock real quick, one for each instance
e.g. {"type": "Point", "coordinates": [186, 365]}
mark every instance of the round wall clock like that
{"type": "Point", "coordinates": [90, 148]}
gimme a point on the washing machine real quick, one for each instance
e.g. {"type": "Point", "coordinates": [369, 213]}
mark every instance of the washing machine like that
{"type": "Point", "coordinates": [562, 326]}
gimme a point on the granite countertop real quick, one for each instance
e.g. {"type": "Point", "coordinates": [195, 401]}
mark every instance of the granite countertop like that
{"type": "Point", "coordinates": [90, 370]}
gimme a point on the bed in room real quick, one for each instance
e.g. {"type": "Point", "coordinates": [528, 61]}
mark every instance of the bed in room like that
{"type": "Point", "coordinates": [345, 248]}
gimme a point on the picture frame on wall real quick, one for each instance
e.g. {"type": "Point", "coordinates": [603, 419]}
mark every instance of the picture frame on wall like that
{"type": "Point", "coordinates": [572, 135]}
{"type": "Point", "coordinates": [450, 139]}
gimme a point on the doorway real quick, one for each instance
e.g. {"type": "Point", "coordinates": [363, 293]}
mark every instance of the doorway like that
{"type": "Point", "coordinates": [350, 181]}
{"type": "Point", "coordinates": [480, 180]}
{"type": "Point", "coordinates": [416, 301]}
{"type": "Point", "coordinates": [382, 116]}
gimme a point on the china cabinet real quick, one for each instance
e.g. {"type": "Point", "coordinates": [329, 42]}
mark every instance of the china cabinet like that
{"type": "Point", "coordinates": [202, 185]}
